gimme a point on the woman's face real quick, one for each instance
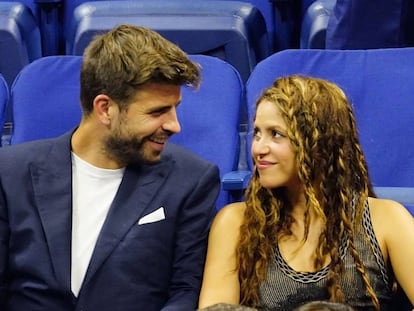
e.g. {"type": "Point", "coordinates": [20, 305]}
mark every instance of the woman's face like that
{"type": "Point", "coordinates": [272, 150]}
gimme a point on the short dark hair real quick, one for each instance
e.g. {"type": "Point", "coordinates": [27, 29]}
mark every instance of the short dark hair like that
{"type": "Point", "coordinates": [117, 62]}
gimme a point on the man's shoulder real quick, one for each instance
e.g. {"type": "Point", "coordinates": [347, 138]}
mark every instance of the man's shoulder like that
{"type": "Point", "coordinates": [22, 147]}
{"type": "Point", "coordinates": [29, 151]}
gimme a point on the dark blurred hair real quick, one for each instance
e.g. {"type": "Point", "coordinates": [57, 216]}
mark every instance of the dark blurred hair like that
{"type": "Point", "coordinates": [227, 307]}
{"type": "Point", "coordinates": [324, 306]}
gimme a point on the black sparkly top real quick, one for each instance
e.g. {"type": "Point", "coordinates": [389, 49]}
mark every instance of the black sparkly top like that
{"type": "Point", "coordinates": [286, 289]}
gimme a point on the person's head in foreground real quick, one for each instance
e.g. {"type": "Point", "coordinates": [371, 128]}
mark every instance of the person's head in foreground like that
{"type": "Point", "coordinates": [324, 306]}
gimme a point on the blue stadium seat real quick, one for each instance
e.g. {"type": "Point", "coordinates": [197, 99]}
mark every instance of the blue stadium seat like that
{"type": "Point", "coordinates": [209, 117]}
{"type": "Point", "coordinates": [377, 83]}
{"type": "Point", "coordinates": [231, 30]}
{"type": "Point", "coordinates": [305, 4]}
{"type": "Point", "coordinates": [29, 3]}
{"type": "Point", "coordinates": [45, 98]}
{"type": "Point", "coordinates": [280, 17]}
{"type": "Point", "coordinates": [266, 7]}
{"type": "Point", "coordinates": [314, 24]}
{"type": "Point", "coordinates": [20, 41]}
{"type": "Point", "coordinates": [47, 16]}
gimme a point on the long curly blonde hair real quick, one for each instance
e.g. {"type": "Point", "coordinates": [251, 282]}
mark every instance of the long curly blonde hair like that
{"type": "Point", "coordinates": [332, 168]}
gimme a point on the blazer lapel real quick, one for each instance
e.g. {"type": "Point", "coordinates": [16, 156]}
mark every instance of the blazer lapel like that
{"type": "Point", "coordinates": [137, 189]}
{"type": "Point", "coordinates": [52, 186]}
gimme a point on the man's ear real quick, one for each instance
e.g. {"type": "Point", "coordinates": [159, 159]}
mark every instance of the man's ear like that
{"type": "Point", "coordinates": [102, 108]}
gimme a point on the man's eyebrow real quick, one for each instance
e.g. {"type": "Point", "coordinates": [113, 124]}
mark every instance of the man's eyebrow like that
{"type": "Point", "coordinates": [163, 107]}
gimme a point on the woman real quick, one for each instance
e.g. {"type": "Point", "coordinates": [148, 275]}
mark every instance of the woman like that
{"type": "Point", "coordinates": [311, 227]}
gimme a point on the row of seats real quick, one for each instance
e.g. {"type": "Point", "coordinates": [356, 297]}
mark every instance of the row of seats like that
{"type": "Point", "coordinates": [45, 103]}
{"type": "Point", "coordinates": [240, 32]}
{"type": "Point", "coordinates": [231, 30]}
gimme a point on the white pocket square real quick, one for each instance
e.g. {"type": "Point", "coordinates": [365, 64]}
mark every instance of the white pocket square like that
{"type": "Point", "coordinates": [154, 216]}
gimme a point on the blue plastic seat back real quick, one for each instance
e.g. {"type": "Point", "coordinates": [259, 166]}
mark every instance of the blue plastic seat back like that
{"type": "Point", "coordinates": [20, 41]}
{"type": "Point", "coordinates": [231, 30]}
{"type": "Point", "coordinates": [378, 83]}
{"type": "Point", "coordinates": [266, 7]}
{"type": "Point", "coordinates": [31, 4]}
{"type": "Point", "coordinates": [45, 98]}
{"type": "Point", "coordinates": [209, 116]}
{"type": "Point", "coordinates": [47, 15]}
{"type": "Point", "coordinates": [314, 24]}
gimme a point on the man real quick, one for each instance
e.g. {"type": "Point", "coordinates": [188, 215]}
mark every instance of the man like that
{"type": "Point", "coordinates": [110, 216]}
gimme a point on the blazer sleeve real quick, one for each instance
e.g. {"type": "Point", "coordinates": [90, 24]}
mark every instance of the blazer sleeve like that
{"type": "Point", "coordinates": [192, 231]}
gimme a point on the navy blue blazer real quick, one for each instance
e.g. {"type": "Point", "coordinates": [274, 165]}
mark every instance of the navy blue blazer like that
{"type": "Point", "coordinates": [150, 266]}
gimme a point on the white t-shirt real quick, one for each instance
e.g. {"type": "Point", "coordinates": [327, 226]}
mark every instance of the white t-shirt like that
{"type": "Point", "coordinates": [93, 190]}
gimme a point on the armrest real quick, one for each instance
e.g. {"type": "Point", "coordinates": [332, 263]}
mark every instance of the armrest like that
{"type": "Point", "coordinates": [236, 180]}
{"type": "Point", "coordinates": [235, 183]}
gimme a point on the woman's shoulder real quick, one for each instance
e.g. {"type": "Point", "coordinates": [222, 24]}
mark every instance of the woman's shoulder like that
{"type": "Point", "coordinates": [394, 229]}
{"type": "Point", "coordinates": [225, 230]}
{"type": "Point", "coordinates": [384, 208]}
{"type": "Point", "coordinates": [387, 214]}
{"type": "Point", "coordinates": [390, 219]}
{"type": "Point", "coordinates": [230, 215]}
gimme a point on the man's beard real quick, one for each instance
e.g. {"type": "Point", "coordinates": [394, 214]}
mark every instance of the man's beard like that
{"type": "Point", "coordinates": [125, 150]}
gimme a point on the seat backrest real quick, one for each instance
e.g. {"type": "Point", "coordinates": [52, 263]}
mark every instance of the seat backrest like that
{"type": "Point", "coordinates": [267, 9]}
{"type": "Point", "coordinates": [29, 3]}
{"type": "Point", "coordinates": [45, 98]}
{"type": "Point", "coordinates": [378, 83]}
{"type": "Point", "coordinates": [209, 116]}
{"type": "Point", "coordinates": [20, 41]}
{"type": "Point", "coordinates": [231, 30]}
{"type": "Point", "coordinates": [4, 98]}
{"type": "Point", "coordinates": [46, 14]}
{"type": "Point", "coordinates": [314, 24]}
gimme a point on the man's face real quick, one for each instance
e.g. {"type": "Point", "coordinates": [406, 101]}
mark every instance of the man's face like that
{"type": "Point", "coordinates": [139, 133]}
